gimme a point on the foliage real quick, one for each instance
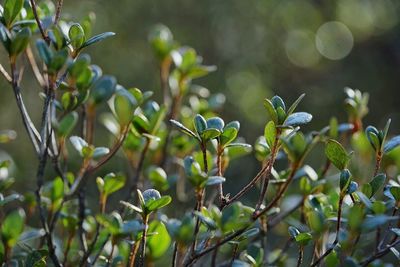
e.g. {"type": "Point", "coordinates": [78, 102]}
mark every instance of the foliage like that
{"type": "Point", "coordinates": [181, 148]}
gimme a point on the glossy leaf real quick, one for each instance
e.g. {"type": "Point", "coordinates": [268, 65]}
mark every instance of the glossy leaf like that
{"type": "Point", "coordinates": [159, 243]}
{"type": "Point", "coordinates": [182, 128]}
{"type": "Point", "coordinates": [155, 204]}
{"type": "Point", "coordinates": [376, 183]}
{"type": "Point", "coordinates": [97, 38]}
{"type": "Point", "coordinates": [103, 89]}
{"type": "Point", "coordinates": [392, 144]}
{"type": "Point", "coordinates": [200, 124]}
{"type": "Point", "coordinates": [12, 8]}
{"type": "Point", "coordinates": [76, 35]}
{"type": "Point", "coordinates": [298, 118]}
{"type": "Point", "coordinates": [20, 41]}
{"type": "Point", "coordinates": [271, 110]}
{"type": "Point", "coordinates": [295, 104]}
{"type": "Point", "coordinates": [12, 227]}
{"type": "Point", "coordinates": [337, 154]}
{"type": "Point", "coordinates": [270, 133]}
{"type": "Point", "coordinates": [113, 183]}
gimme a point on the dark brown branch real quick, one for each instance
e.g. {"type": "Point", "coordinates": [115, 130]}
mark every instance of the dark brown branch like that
{"type": "Point", "coordinates": [39, 23]}
{"type": "Point", "coordinates": [58, 12]}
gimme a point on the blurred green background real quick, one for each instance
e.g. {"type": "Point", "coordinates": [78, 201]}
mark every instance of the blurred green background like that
{"type": "Point", "coordinates": [261, 48]}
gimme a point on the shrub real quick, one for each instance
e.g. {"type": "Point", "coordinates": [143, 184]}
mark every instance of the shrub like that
{"type": "Point", "coordinates": [343, 213]}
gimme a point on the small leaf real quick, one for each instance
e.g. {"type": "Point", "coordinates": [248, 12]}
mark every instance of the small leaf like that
{"type": "Point", "coordinates": [44, 51]}
{"type": "Point", "coordinates": [239, 145]}
{"type": "Point", "coordinates": [373, 137]}
{"type": "Point", "coordinates": [158, 244]}
{"type": "Point", "coordinates": [295, 104]}
{"type": "Point", "coordinates": [270, 134]}
{"type": "Point", "coordinates": [78, 143]}
{"type": "Point", "coordinates": [392, 144]}
{"type": "Point", "coordinates": [271, 110]}
{"type": "Point", "coordinates": [215, 123]}
{"type": "Point", "coordinates": [67, 124]}
{"type": "Point", "coordinates": [376, 183]}
{"type": "Point", "coordinates": [337, 154]}
{"type": "Point", "coordinates": [99, 152]}
{"type": "Point", "coordinates": [158, 178]}
{"type": "Point", "coordinates": [395, 190]}
{"type": "Point", "coordinates": [20, 41]}
{"type": "Point", "coordinates": [150, 194]}
{"type": "Point", "coordinates": [228, 135]}
{"type": "Point", "coordinates": [155, 204]}
{"type": "Point", "coordinates": [131, 207]}
{"type": "Point", "coordinates": [182, 128]}
{"type": "Point", "coordinates": [97, 38]}
{"type": "Point", "coordinates": [12, 227]}
{"type": "Point", "coordinates": [76, 35]}
{"type": "Point", "coordinates": [200, 124]}
{"type": "Point", "coordinates": [103, 89]}
{"type": "Point", "coordinates": [113, 183]}
{"type": "Point", "coordinates": [210, 133]}
{"type": "Point", "coordinates": [278, 102]}
{"type": "Point", "coordinates": [345, 178]}
{"type": "Point", "coordinates": [303, 238]}
{"type": "Point", "coordinates": [11, 10]}
{"type": "Point", "coordinates": [298, 118]}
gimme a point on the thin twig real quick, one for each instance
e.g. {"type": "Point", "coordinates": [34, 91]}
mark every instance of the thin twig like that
{"type": "Point", "coordinates": [39, 23]}
{"type": "Point", "coordinates": [34, 66]}
{"type": "Point", "coordinates": [5, 74]}
{"type": "Point", "coordinates": [58, 12]}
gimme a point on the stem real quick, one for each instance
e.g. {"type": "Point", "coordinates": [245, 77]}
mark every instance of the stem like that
{"type": "Point", "coordinates": [29, 126]}
{"type": "Point", "coordinates": [69, 241]}
{"type": "Point", "coordinates": [5, 74]}
{"type": "Point", "coordinates": [39, 23]}
{"type": "Point", "coordinates": [257, 214]}
{"type": "Point", "coordinates": [329, 250]}
{"type": "Point", "coordinates": [266, 177]}
{"type": "Point", "coordinates": [143, 242]}
{"type": "Point", "coordinates": [174, 254]}
{"type": "Point", "coordinates": [221, 197]}
{"type": "Point", "coordinates": [300, 258]}
{"type": "Point", "coordinates": [34, 66]}
{"type": "Point", "coordinates": [132, 255]}
{"type": "Point", "coordinates": [58, 12]}
{"type": "Point", "coordinates": [378, 162]}
{"type": "Point", "coordinates": [266, 170]}
{"type": "Point", "coordinates": [235, 250]}
{"type": "Point", "coordinates": [380, 253]}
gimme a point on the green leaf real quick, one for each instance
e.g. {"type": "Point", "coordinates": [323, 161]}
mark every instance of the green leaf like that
{"type": "Point", "coordinates": [271, 110]}
{"type": "Point", "coordinates": [270, 133]}
{"type": "Point", "coordinates": [12, 227]}
{"type": "Point", "coordinates": [247, 146]}
{"type": "Point", "coordinates": [97, 38]}
{"type": "Point", "coordinates": [345, 179]}
{"type": "Point", "coordinates": [58, 60]}
{"type": "Point", "coordinates": [44, 51]}
{"type": "Point", "coordinates": [376, 183]}
{"type": "Point", "coordinates": [103, 89]}
{"type": "Point", "coordinates": [215, 123]}
{"type": "Point", "coordinates": [278, 102]}
{"type": "Point", "coordinates": [131, 207]}
{"type": "Point", "coordinates": [78, 143]}
{"type": "Point", "coordinates": [20, 41]}
{"type": "Point", "coordinates": [11, 10]}
{"type": "Point", "coordinates": [210, 133]}
{"type": "Point", "coordinates": [295, 104]}
{"type": "Point", "coordinates": [155, 204]}
{"type": "Point", "coordinates": [161, 40]}
{"type": "Point", "coordinates": [182, 128]}
{"type": "Point", "coordinates": [113, 183]}
{"type": "Point", "coordinates": [158, 244]}
{"type": "Point", "coordinates": [200, 124]}
{"type": "Point", "coordinates": [392, 144]}
{"type": "Point", "coordinates": [124, 106]}
{"type": "Point", "coordinates": [67, 124]}
{"type": "Point", "coordinates": [373, 137]}
{"type": "Point", "coordinates": [228, 135]}
{"type": "Point", "coordinates": [281, 115]}
{"type": "Point", "coordinates": [158, 177]}
{"type": "Point", "coordinates": [395, 190]}
{"type": "Point", "coordinates": [298, 118]}
{"type": "Point", "coordinates": [303, 239]}
{"type": "Point", "coordinates": [76, 35]}
{"type": "Point", "coordinates": [337, 154]}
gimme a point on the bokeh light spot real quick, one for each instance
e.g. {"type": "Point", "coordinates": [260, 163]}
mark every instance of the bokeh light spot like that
{"type": "Point", "coordinates": [334, 40]}
{"type": "Point", "coordinates": [300, 48]}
